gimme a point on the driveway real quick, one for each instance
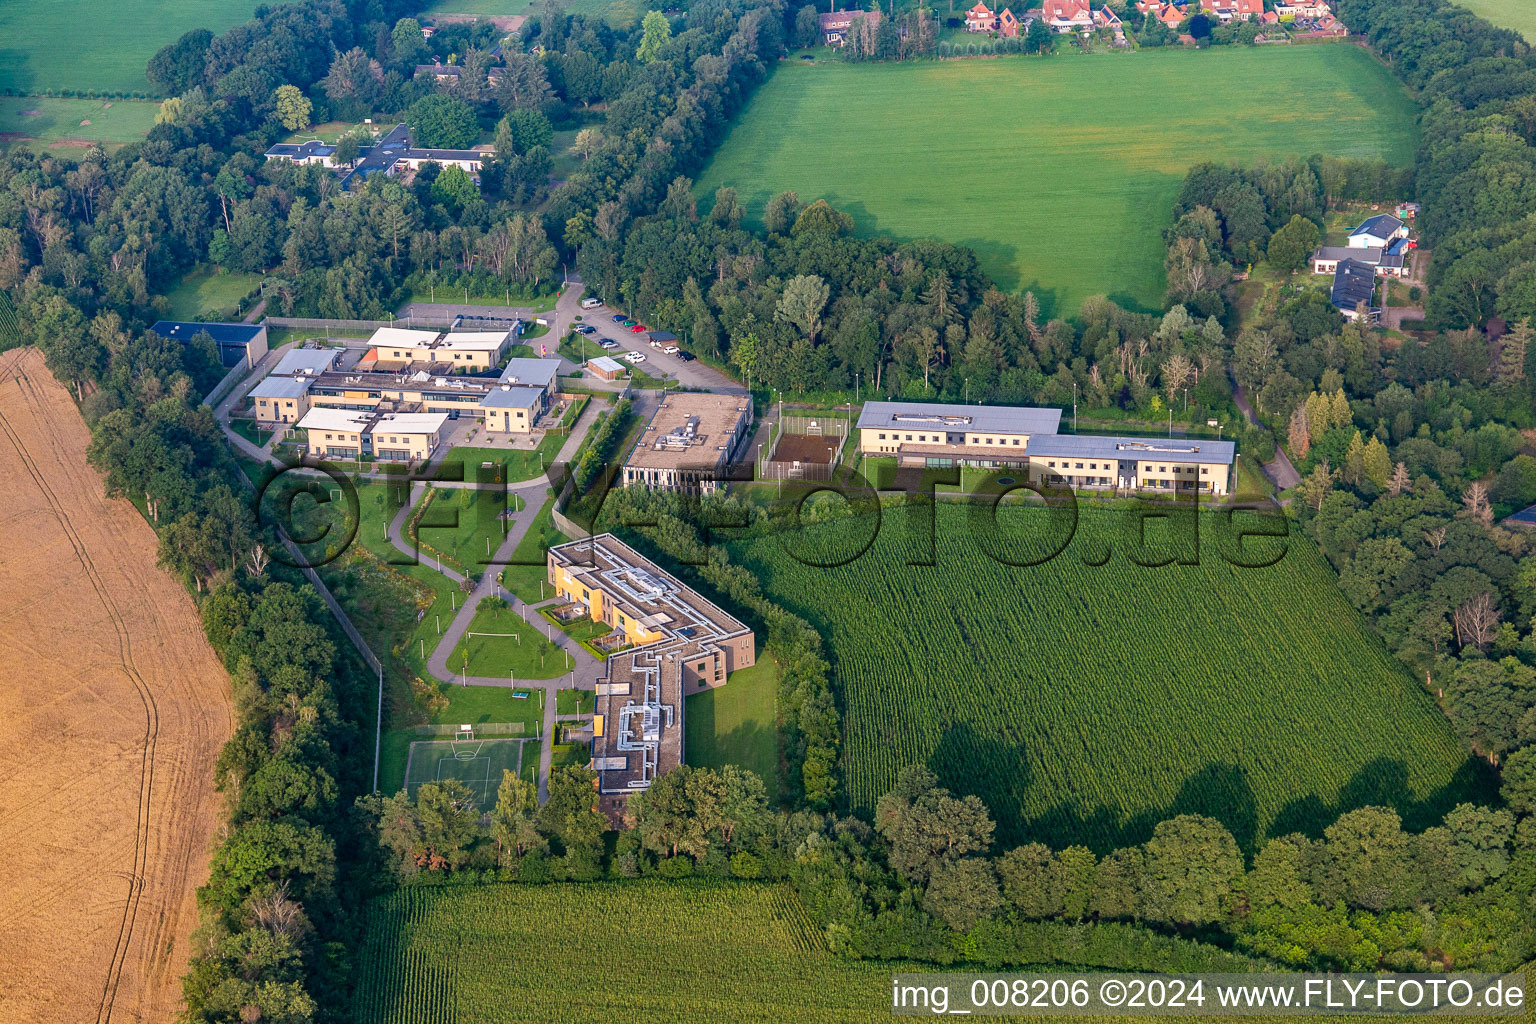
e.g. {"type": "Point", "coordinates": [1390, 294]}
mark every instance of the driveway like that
{"type": "Point", "coordinates": [1280, 471]}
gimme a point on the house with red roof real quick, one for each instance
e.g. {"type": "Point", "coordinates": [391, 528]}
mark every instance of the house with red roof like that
{"type": "Point", "coordinates": [1067, 15]}
{"type": "Point", "coordinates": [980, 18]}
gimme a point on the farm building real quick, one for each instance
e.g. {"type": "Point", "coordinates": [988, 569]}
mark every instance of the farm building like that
{"type": "Point", "coordinates": [669, 642]}
{"type": "Point", "coordinates": [605, 368]}
{"type": "Point", "coordinates": [386, 155]}
{"type": "Point", "coordinates": [239, 344]}
{"type": "Point", "coordinates": [690, 443]}
{"type": "Point", "coordinates": [390, 436]}
{"type": "Point", "coordinates": [939, 435]}
{"type": "Point", "coordinates": [1125, 464]}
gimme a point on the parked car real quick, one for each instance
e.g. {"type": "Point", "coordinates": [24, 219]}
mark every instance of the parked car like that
{"type": "Point", "coordinates": [638, 328]}
{"type": "Point", "coordinates": [608, 343]}
{"type": "Point", "coordinates": [619, 318]}
{"type": "Point", "coordinates": [591, 303]}
{"type": "Point", "coordinates": [687, 357]}
{"type": "Point", "coordinates": [671, 350]}
{"type": "Point", "coordinates": [586, 329]}
{"type": "Point", "coordinates": [634, 357]}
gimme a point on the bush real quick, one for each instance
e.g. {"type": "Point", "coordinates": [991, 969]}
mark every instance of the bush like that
{"type": "Point", "coordinates": [675, 868]}
{"type": "Point", "coordinates": [1415, 293]}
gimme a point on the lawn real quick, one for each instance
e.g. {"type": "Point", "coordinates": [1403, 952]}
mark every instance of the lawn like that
{"type": "Point", "coordinates": [99, 46]}
{"type": "Point", "coordinates": [526, 574]}
{"type": "Point", "coordinates": [1519, 15]}
{"type": "Point", "coordinates": [506, 644]}
{"type": "Point", "coordinates": [463, 525]}
{"type": "Point", "coordinates": [1089, 697]}
{"type": "Point", "coordinates": [206, 293]}
{"type": "Point", "coordinates": [1060, 172]}
{"type": "Point", "coordinates": [736, 723]}
{"type": "Point", "coordinates": [492, 710]}
{"type": "Point", "coordinates": [66, 127]}
{"type": "Point", "coordinates": [521, 463]}
{"type": "Point", "coordinates": [642, 951]}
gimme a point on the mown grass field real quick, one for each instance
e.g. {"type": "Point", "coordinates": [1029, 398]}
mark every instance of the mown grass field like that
{"type": "Point", "coordinates": [1519, 15]}
{"type": "Point", "coordinates": [635, 951]}
{"type": "Point", "coordinates": [737, 723]}
{"type": "Point", "coordinates": [206, 291]}
{"type": "Point", "coordinates": [99, 46]}
{"type": "Point", "coordinates": [1089, 697]}
{"type": "Point", "coordinates": [67, 127]}
{"type": "Point", "coordinates": [617, 13]}
{"type": "Point", "coordinates": [1061, 172]}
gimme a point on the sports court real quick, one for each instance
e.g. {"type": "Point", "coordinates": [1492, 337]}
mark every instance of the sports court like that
{"type": "Point", "coordinates": [477, 762]}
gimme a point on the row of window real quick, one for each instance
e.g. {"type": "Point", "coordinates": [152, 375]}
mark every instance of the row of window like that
{"type": "Point", "coordinates": [941, 439]}
{"type": "Point", "coordinates": [1204, 470]}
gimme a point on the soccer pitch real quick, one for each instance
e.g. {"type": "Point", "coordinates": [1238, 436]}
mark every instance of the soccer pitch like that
{"type": "Point", "coordinates": [478, 763]}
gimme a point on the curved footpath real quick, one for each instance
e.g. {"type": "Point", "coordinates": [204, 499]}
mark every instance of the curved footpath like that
{"type": "Point", "coordinates": [586, 669]}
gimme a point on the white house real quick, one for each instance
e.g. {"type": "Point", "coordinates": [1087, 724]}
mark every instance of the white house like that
{"type": "Point", "coordinates": [1377, 232]}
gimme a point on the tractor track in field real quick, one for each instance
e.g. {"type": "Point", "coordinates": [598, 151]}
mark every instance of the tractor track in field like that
{"type": "Point", "coordinates": [136, 935]}
{"type": "Point", "coordinates": [147, 698]}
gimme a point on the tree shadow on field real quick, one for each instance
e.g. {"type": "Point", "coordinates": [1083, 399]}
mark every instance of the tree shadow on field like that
{"type": "Point", "coordinates": [1383, 782]}
{"type": "Point", "coordinates": [989, 767]}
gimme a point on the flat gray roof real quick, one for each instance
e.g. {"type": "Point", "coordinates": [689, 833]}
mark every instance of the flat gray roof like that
{"type": "Point", "coordinates": [508, 397]}
{"type": "Point", "coordinates": [299, 360]}
{"type": "Point", "coordinates": [536, 373]}
{"type": "Point", "coordinates": [281, 387]}
{"type": "Point", "coordinates": [995, 419]}
{"type": "Point", "coordinates": [1143, 449]}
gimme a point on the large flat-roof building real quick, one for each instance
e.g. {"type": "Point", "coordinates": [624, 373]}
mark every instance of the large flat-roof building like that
{"type": "Point", "coordinates": [390, 436]}
{"type": "Point", "coordinates": [1132, 463]}
{"type": "Point", "coordinates": [671, 642]}
{"type": "Point", "coordinates": [938, 435]}
{"type": "Point", "coordinates": [935, 435]}
{"type": "Point", "coordinates": [690, 442]}
{"type": "Point", "coordinates": [468, 351]}
{"type": "Point", "coordinates": [239, 344]}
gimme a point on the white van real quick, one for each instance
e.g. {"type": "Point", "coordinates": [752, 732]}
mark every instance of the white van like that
{"type": "Point", "coordinates": [591, 303]}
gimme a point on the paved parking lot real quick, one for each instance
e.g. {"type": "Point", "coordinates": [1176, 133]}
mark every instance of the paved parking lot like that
{"type": "Point", "coordinates": [657, 363]}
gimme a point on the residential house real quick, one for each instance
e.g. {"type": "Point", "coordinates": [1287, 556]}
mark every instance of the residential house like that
{"type": "Point", "coordinates": [1106, 18]}
{"type": "Point", "coordinates": [980, 18]}
{"type": "Point", "coordinates": [1008, 25]}
{"type": "Point", "coordinates": [1228, 11]}
{"type": "Point", "coordinates": [312, 152]}
{"type": "Point", "coordinates": [1067, 15]}
{"type": "Point", "coordinates": [1379, 230]}
{"type": "Point", "coordinates": [835, 26]}
{"type": "Point", "coordinates": [1387, 261]}
{"type": "Point", "coordinates": [1354, 284]}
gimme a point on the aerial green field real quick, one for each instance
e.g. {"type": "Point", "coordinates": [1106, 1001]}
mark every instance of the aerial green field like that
{"type": "Point", "coordinates": [1519, 15]}
{"type": "Point", "coordinates": [618, 13]}
{"type": "Point", "coordinates": [66, 127]}
{"type": "Point", "coordinates": [99, 46]}
{"type": "Point", "coordinates": [1060, 172]}
{"type": "Point", "coordinates": [207, 291]}
{"type": "Point", "coordinates": [632, 951]}
{"type": "Point", "coordinates": [1086, 699]}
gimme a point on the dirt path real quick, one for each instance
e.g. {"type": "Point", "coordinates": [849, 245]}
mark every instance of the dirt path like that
{"type": "Point", "coordinates": [112, 711]}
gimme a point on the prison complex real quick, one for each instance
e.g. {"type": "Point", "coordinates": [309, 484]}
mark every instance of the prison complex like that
{"type": "Point", "coordinates": [669, 642]}
{"type": "Point", "coordinates": [933, 435]}
{"type": "Point", "coordinates": [690, 442]}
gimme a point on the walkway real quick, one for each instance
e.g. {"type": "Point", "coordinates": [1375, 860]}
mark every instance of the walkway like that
{"type": "Point", "coordinates": [1280, 471]}
{"type": "Point", "coordinates": [586, 670]}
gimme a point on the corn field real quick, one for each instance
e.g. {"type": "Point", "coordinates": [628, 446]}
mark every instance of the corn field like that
{"type": "Point", "coordinates": [1088, 697]}
{"type": "Point", "coordinates": [637, 951]}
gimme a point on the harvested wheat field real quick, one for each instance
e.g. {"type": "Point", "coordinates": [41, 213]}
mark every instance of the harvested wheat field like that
{"type": "Point", "coordinates": [112, 710]}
